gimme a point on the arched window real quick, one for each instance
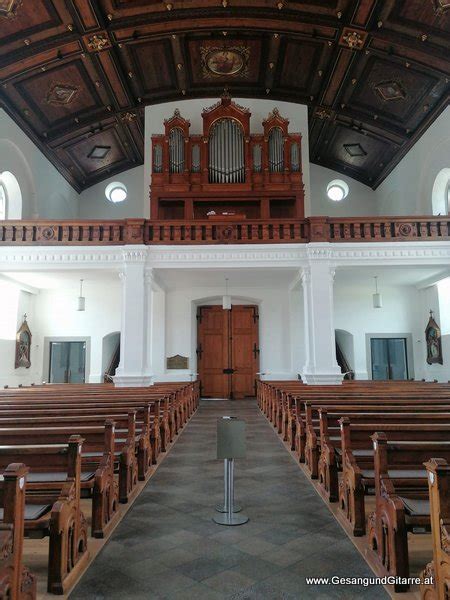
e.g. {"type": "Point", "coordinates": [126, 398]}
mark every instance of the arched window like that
{"type": "Point", "coordinates": [3, 202]}
{"type": "Point", "coordinates": [447, 196]}
{"type": "Point", "coordinates": [226, 152]}
{"type": "Point", "coordinates": [10, 197]}
{"type": "Point", "coordinates": [440, 198]}
{"type": "Point", "coordinates": [176, 150]}
{"type": "Point", "coordinates": [276, 150]}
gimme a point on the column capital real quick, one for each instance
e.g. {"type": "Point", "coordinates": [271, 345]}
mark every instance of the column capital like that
{"type": "Point", "coordinates": [305, 275]}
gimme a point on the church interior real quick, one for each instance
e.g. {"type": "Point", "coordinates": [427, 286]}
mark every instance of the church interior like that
{"type": "Point", "coordinates": [224, 218]}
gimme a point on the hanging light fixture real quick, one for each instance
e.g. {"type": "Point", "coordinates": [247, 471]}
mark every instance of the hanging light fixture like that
{"type": "Point", "coordinates": [226, 299]}
{"type": "Point", "coordinates": [377, 299]}
{"type": "Point", "coordinates": [81, 298]}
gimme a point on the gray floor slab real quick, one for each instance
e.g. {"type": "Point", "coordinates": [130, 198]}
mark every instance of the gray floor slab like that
{"type": "Point", "coordinates": [168, 547]}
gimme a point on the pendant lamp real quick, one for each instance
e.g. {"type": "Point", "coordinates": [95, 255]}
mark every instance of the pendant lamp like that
{"type": "Point", "coordinates": [377, 299]}
{"type": "Point", "coordinates": [81, 299]}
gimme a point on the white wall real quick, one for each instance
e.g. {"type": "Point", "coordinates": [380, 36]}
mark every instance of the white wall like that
{"type": "Point", "coordinates": [52, 313]}
{"type": "Point", "coordinates": [278, 328]}
{"type": "Point", "coordinates": [9, 375]}
{"type": "Point", "coordinates": [58, 317]}
{"type": "Point", "coordinates": [429, 300]}
{"type": "Point", "coordinates": [45, 192]}
{"type": "Point", "coordinates": [361, 199]}
{"type": "Point", "coordinates": [405, 311]}
{"type": "Point", "coordinates": [354, 313]}
{"type": "Point", "coordinates": [408, 189]}
{"type": "Point", "coordinates": [93, 203]}
{"type": "Point", "coordinates": [192, 110]}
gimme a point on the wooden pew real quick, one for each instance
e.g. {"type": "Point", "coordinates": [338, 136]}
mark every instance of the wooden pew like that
{"type": "Point", "coordinates": [54, 506]}
{"type": "Point", "coordinates": [308, 425]}
{"type": "Point", "coordinates": [159, 409]}
{"type": "Point", "coordinates": [436, 575]}
{"type": "Point", "coordinates": [335, 439]}
{"type": "Point", "coordinates": [97, 467]}
{"type": "Point", "coordinates": [401, 498]}
{"type": "Point", "coordinates": [145, 419]}
{"type": "Point", "coordinates": [16, 581]}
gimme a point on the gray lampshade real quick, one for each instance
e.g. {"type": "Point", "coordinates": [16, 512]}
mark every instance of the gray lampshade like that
{"type": "Point", "coordinates": [81, 299]}
{"type": "Point", "coordinates": [377, 300]}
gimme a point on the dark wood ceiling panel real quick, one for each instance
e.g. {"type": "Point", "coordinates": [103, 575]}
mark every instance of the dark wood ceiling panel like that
{"type": "Point", "coordinates": [151, 68]}
{"type": "Point", "coordinates": [62, 93]}
{"type": "Point", "coordinates": [429, 16]}
{"type": "Point", "coordinates": [98, 152]}
{"type": "Point", "coordinates": [301, 65]}
{"type": "Point", "coordinates": [76, 74]}
{"type": "Point", "coordinates": [353, 152]}
{"type": "Point", "coordinates": [401, 95]}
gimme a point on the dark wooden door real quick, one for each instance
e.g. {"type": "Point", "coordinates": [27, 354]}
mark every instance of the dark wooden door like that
{"type": "Point", "coordinates": [228, 351]}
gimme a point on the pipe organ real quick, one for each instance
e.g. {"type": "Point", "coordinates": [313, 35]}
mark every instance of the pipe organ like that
{"type": "Point", "coordinates": [226, 172]}
{"type": "Point", "coordinates": [226, 152]}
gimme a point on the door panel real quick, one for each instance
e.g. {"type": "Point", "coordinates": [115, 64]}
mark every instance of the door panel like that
{"type": "Point", "coordinates": [389, 358]}
{"type": "Point", "coordinates": [67, 362]}
{"type": "Point", "coordinates": [397, 359]}
{"type": "Point", "coordinates": [380, 359]}
{"type": "Point", "coordinates": [228, 340]}
{"type": "Point", "coordinates": [244, 350]}
{"type": "Point", "coordinates": [213, 351]}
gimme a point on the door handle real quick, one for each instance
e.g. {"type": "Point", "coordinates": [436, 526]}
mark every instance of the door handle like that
{"type": "Point", "coordinates": [228, 371]}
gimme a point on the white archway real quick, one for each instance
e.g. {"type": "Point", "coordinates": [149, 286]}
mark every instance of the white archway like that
{"type": "Point", "coordinates": [14, 162]}
{"type": "Point", "coordinates": [439, 198]}
{"type": "Point", "coordinates": [110, 344]}
{"type": "Point", "coordinates": [346, 344]}
{"type": "Point", "coordinates": [13, 195]}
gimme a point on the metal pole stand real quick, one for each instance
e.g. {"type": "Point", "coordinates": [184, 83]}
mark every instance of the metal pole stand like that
{"type": "Point", "coordinates": [223, 508]}
{"type": "Point", "coordinates": [229, 517]}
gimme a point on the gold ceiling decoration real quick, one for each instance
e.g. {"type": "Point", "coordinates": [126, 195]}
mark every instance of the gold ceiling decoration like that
{"type": "Point", "coordinates": [224, 61]}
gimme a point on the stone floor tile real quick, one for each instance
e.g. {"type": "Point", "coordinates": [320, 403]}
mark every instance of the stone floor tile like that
{"type": "Point", "coordinates": [168, 547]}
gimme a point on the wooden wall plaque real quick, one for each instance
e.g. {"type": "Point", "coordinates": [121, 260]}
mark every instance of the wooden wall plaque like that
{"type": "Point", "coordinates": [177, 362]}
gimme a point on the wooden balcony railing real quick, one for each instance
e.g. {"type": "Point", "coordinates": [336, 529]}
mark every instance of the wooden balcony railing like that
{"type": "Point", "coordinates": [245, 231]}
{"type": "Point", "coordinates": [227, 232]}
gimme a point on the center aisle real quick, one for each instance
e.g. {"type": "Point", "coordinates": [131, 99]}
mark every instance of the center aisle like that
{"type": "Point", "coordinates": [168, 547]}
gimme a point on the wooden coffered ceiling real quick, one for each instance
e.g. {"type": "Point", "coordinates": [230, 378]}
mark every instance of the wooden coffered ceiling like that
{"type": "Point", "coordinates": [76, 74]}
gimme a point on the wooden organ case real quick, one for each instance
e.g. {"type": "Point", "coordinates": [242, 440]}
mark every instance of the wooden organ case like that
{"type": "Point", "coordinates": [227, 173]}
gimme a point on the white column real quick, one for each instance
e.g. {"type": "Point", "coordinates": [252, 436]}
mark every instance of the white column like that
{"type": "Point", "coordinates": [133, 369]}
{"type": "Point", "coordinates": [321, 367]}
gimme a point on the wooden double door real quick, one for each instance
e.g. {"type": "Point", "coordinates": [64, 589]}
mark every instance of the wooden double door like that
{"type": "Point", "coordinates": [228, 351]}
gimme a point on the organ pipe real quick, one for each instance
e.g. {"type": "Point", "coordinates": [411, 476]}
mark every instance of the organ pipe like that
{"type": "Point", "coordinates": [276, 150]}
{"type": "Point", "coordinates": [176, 150]}
{"type": "Point", "coordinates": [226, 152]}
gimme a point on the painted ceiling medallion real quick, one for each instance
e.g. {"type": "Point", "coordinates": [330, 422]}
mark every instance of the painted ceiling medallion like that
{"type": "Point", "coordinates": [441, 6]}
{"type": "Point", "coordinates": [222, 61]}
{"type": "Point", "coordinates": [99, 152]}
{"type": "Point", "coordinates": [354, 150]}
{"type": "Point", "coordinates": [61, 94]}
{"type": "Point", "coordinates": [9, 8]}
{"type": "Point", "coordinates": [390, 90]}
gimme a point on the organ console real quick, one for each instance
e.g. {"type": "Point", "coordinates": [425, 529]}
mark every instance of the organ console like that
{"type": "Point", "coordinates": [226, 172]}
